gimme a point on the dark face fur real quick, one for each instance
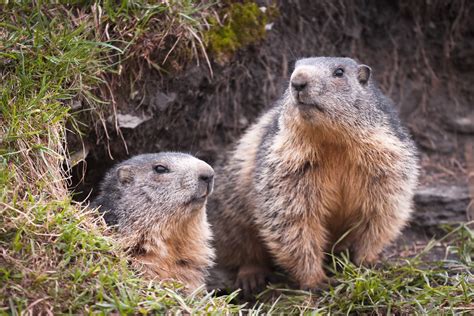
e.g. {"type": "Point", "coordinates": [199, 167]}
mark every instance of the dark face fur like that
{"type": "Point", "coordinates": [155, 187]}
{"type": "Point", "coordinates": [331, 90]}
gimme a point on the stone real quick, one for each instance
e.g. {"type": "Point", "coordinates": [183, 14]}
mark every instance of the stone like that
{"type": "Point", "coordinates": [464, 125]}
{"type": "Point", "coordinates": [131, 121]}
{"type": "Point", "coordinates": [440, 204]}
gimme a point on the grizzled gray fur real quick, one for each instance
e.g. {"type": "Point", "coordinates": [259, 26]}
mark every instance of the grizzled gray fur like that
{"type": "Point", "coordinates": [330, 158]}
{"type": "Point", "coordinates": [158, 204]}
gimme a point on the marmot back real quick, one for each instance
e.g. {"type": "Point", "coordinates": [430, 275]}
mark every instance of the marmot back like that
{"type": "Point", "coordinates": [157, 202]}
{"type": "Point", "coordinates": [330, 157]}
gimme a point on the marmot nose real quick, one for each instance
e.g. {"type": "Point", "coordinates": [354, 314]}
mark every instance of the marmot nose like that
{"type": "Point", "coordinates": [207, 178]}
{"type": "Point", "coordinates": [298, 84]}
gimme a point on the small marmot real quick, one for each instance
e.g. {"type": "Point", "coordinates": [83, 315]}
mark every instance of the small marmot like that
{"type": "Point", "coordinates": [329, 158]}
{"type": "Point", "coordinates": [158, 204]}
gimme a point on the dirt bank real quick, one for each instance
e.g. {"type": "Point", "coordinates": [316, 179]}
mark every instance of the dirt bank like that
{"type": "Point", "coordinates": [422, 53]}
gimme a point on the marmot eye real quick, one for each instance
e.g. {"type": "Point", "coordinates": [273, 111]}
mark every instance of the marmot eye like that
{"type": "Point", "coordinates": [161, 169]}
{"type": "Point", "coordinates": [339, 72]}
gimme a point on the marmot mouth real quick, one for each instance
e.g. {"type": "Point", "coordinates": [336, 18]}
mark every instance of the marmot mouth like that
{"type": "Point", "coordinates": [311, 105]}
{"type": "Point", "coordinates": [198, 199]}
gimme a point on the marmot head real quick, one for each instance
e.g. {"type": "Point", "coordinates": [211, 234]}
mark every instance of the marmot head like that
{"type": "Point", "coordinates": [330, 90]}
{"type": "Point", "coordinates": [152, 188]}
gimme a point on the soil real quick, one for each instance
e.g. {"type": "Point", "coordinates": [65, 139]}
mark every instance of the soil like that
{"type": "Point", "coordinates": [421, 53]}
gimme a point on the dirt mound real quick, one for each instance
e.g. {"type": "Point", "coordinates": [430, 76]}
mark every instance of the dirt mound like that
{"type": "Point", "coordinates": [422, 54]}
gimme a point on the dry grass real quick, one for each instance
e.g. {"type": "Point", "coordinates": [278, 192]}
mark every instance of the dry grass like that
{"type": "Point", "coordinates": [137, 37]}
{"type": "Point", "coordinates": [55, 256]}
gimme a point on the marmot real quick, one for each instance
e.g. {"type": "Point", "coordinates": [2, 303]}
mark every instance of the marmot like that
{"type": "Point", "coordinates": [157, 202]}
{"type": "Point", "coordinates": [330, 158]}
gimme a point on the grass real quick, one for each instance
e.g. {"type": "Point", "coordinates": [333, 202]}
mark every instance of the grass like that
{"type": "Point", "coordinates": [57, 257]}
{"type": "Point", "coordinates": [417, 285]}
{"type": "Point", "coordinates": [54, 255]}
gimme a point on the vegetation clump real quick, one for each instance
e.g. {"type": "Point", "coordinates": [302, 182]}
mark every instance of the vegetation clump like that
{"type": "Point", "coordinates": [243, 24]}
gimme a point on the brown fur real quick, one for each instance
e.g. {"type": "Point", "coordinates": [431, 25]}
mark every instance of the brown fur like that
{"type": "Point", "coordinates": [181, 253]}
{"type": "Point", "coordinates": [306, 174]}
{"type": "Point", "coordinates": [161, 216]}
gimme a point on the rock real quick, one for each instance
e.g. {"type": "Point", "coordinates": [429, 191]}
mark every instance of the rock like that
{"type": "Point", "coordinates": [464, 125]}
{"type": "Point", "coordinates": [440, 204]}
{"type": "Point", "coordinates": [131, 121]}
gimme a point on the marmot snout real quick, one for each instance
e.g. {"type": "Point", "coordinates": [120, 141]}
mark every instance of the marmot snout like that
{"type": "Point", "coordinates": [157, 202]}
{"type": "Point", "coordinates": [337, 89]}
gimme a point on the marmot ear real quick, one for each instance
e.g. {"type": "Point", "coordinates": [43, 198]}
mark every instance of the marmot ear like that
{"type": "Point", "coordinates": [125, 174]}
{"type": "Point", "coordinates": [363, 74]}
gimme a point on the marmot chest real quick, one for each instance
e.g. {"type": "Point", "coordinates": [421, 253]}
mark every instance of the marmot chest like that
{"type": "Point", "coordinates": [336, 189]}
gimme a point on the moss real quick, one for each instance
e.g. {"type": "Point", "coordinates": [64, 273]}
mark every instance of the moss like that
{"type": "Point", "coordinates": [243, 25]}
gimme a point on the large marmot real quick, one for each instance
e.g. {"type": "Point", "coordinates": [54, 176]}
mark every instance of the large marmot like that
{"type": "Point", "coordinates": [157, 202]}
{"type": "Point", "coordinates": [330, 157]}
